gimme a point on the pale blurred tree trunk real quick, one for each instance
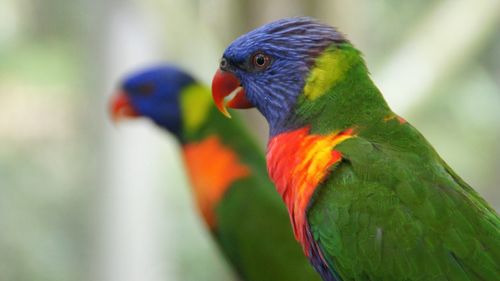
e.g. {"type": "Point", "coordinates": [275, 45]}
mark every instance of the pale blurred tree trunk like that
{"type": "Point", "coordinates": [127, 219]}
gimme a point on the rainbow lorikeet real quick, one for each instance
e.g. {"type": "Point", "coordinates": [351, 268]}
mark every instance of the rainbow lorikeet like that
{"type": "Point", "coordinates": [368, 196]}
{"type": "Point", "coordinates": [227, 172]}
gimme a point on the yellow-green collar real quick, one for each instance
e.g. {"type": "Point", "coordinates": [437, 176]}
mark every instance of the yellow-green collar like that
{"type": "Point", "coordinates": [329, 69]}
{"type": "Point", "coordinates": [195, 102]}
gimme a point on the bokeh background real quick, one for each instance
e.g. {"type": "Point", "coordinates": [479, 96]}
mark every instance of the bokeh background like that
{"type": "Point", "coordinates": [81, 199]}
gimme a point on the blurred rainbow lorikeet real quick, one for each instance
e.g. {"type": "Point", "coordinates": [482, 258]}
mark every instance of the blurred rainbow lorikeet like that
{"type": "Point", "coordinates": [227, 172]}
{"type": "Point", "coordinates": [368, 196]}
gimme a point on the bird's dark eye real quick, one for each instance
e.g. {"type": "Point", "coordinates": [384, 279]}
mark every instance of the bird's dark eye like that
{"type": "Point", "coordinates": [223, 63]}
{"type": "Point", "coordinates": [145, 89]}
{"type": "Point", "coordinates": [261, 61]}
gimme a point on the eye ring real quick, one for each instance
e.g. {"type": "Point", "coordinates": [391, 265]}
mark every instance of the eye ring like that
{"type": "Point", "coordinates": [260, 61]}
{"type": "Point", "coordinates": [223, 63]}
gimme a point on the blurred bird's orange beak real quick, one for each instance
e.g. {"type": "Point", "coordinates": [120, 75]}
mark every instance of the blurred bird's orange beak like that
{"type": "Point", "coordinates": [120, 107]}
{"type": "Point", "coordinates": [225, 84]}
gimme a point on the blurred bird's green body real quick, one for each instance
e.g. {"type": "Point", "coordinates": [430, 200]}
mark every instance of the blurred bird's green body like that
{"type": "Point", "coordinates": [368, 197]}
{"type": "Point", "coordinates": [250, 222]}
{"type": "Point", "coordinates": [228, 176]}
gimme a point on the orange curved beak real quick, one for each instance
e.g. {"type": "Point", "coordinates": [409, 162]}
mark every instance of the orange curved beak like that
{"type": "Point", "coordinates": [225, 84]}
{"type": "Point", "coordinates": [120, 107]}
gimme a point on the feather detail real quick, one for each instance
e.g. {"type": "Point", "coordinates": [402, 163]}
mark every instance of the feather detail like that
{"type": "Point", "coordinates": [297, 163]}
{"type": "Point", "coordinates": [393, 116]}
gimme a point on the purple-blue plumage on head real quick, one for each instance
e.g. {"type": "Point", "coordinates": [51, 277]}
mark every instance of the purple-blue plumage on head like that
{"type": "Point", "coordinates": [290, 47]}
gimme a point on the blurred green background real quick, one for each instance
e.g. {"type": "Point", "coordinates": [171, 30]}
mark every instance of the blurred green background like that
{"type": "Point", "coordinates": [81, 199]}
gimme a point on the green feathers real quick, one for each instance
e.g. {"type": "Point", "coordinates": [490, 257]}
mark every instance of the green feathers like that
{"type": "Point", "coordinates": [331, 67]}
{"type": "Point", "coordinates": [393, 210]}
{"type": "Point", "coordinates": [347, 98]}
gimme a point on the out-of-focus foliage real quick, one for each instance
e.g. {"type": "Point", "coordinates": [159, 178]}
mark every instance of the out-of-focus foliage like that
{"type": "Point", "coordinates": [83, 200]}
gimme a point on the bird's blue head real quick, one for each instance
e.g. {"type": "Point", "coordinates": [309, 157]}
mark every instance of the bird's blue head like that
{"type": "Point", "coordinates": [153, 93]}
{"type": "Point", "coordinates": [267, 67]}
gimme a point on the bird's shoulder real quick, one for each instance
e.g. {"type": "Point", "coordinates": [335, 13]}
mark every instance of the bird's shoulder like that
{"type": "Point", "coordinates": [392, 209]}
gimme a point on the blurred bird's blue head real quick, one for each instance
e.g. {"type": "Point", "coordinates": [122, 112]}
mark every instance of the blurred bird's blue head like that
{"type": "Point", "coordinates": [153, 93]}
{"type": "Point", "coordinates": [267, 67]}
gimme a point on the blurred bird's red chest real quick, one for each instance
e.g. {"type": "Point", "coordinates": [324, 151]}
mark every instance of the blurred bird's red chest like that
{"type": "Point", "coordinates": [212, 168]}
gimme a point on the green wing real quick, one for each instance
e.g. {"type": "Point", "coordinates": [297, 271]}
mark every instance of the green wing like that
{"type": "Point", "coordinates": [393, 210]}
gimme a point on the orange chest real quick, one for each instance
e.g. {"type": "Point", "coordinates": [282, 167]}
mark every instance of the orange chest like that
{"type": "Point", "coordinates": [212, 168]}
{"type": "Point", "coordinates": [297, 163]}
